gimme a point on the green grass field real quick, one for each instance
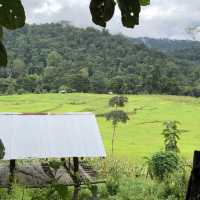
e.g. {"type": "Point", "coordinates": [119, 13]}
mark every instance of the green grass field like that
{"type": "Point", "coordinates": [141, 136]}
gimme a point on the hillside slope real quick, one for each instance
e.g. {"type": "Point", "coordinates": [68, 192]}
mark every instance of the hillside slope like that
{"type": "Point", "coordinates": [53, 57]}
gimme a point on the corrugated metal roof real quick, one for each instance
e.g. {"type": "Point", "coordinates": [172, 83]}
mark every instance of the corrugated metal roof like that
{"type": "Point", "coordinates": [53, 135]}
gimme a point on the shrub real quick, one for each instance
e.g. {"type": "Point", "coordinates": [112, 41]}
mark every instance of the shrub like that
{"type": "Point", "coordinates": [174, 187]}
{"type": "Point", "coordinates": [21, 91]}
{"type": "Point", "coordinates": [85, 195]}
{"type": "Point", "coordinates": [162, 164]}
{"type": "Point", "coordinates": [171, 135]}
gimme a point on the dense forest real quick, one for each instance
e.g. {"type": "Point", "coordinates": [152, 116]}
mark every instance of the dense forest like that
{"type": "Point", "coordinates": [166, 45]}
{"type": "Point", "coordinates": [62, 58]}
{"type": "Point", "coordinates": [184, 49]}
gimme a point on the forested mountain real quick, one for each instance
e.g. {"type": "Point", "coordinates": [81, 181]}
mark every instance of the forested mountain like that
{"type": "Point", "coordinates": [166, 45]}
{"type": "Point", "coordinates": [184, 49]}
{"type": "Point", "coordinates": [57, 57]}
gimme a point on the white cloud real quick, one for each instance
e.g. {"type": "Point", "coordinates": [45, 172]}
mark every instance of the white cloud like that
{"type": "Point", "coordinates": [48, 7]}
{"type": "Point", "coordinates": [162, 19]}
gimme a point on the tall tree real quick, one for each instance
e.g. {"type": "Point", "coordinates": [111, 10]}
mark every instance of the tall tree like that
{"type": "Point", "coordinates": [117, 116]}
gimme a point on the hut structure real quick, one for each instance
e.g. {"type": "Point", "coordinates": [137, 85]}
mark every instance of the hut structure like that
{"type": "Point", "coordinates": [31, 138]}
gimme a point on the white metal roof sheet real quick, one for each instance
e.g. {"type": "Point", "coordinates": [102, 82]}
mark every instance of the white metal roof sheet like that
{"type": "Point", "coordinates": [53, 135]}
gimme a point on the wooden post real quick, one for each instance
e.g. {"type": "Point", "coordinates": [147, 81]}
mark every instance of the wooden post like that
{"type": "Point", "coordinates": [69, 164]}
{"type": "Point", "coordinates": [12, 173]}
{"type": "Point", "coordinates": [193, 192]}
{"type": "Point", "coordinates": [12, 169]}
{"type": "Point", "coordinates": [76, 178]}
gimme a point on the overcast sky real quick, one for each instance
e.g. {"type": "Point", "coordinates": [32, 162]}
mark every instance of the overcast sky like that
{"type": "Point", "coordinates": [162, 19]}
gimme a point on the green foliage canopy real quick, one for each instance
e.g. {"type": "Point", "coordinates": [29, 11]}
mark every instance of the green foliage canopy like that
{"type": "Point", "coordinates": [117, 116]}
{"type": "Point", "coordinates": [88, 60]}
{"type": "Point", "coordinates": [118, 101]}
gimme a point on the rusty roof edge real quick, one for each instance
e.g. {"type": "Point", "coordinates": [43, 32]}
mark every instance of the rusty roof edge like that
{"type": "Point", "coordinates": [41, 113]}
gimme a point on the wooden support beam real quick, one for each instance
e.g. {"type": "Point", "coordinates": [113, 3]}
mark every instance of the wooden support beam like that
{"type": "Point", "coordinates": [12, 167]}
{"type": "Point", "coordinates": [76, 179]}
{"type": "Point", "coordinates": [69, 163]}
{"type": "Point", "coordinates": [76, 164]}
{"type": "Point", "coordinates": [193, 192]}
{"type": "Point", "coordinates": [12, 170]}
{"type": "Point", "coordinates": [86, 176]}
{"type": "Point", "coordinates": [48, 184]}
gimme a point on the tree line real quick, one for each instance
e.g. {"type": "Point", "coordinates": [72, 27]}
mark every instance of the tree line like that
{"type": "Point", "coordinates": [58, 57]}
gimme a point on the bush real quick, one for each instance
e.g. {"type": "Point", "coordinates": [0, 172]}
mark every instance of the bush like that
{"type": "Point", "coordinates": [65, 89]}
{"type": "Point", "coordinates": [174, 187]}
{"type": "Point", "coordinates": [10, 90]}
{"type": "Point", "coordinates": [162, 164]}
{"type": "Point", "coordinates": [85, 195]}
{"type": "Point", "coordinates": [112, 185]}
{"type": "Point", "coordinates": [21, 91]}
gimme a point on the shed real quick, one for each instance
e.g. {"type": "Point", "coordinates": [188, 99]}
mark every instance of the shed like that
{"type": "Point", "coordinates": [47, 135]}
{"type": "Point", "coordinates": [50, 135]}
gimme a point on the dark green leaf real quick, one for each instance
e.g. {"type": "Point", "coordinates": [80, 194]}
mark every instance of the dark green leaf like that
{"type": "Point", "coordinates": [2, 150]}
{"type": "Point", "coordinates": [3, 55]}
{"type": "Point", "coordinates": [130, 10]}
{"type": "Point", "coordinates": [12, 14]}
{"type": "Point", "coordinates": [102, 11]}
{"type": "Point", "coordinates": [1, 33]}
{"type": "Point", "coordinates": [144, 2]}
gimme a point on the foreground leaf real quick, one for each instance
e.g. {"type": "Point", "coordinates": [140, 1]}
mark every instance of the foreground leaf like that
{"type": "Point", "coordinates": [1, 33]}
{"type": "Point", "coordinates": [12, 14]}
{"type": "Point", "coordinates": [102, 11]}
{"type": "Point", "coordinates": [130, 10]}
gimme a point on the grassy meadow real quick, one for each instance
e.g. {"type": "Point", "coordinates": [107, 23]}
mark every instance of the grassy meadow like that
{"type": "Point", "coordinates": [141, 136]}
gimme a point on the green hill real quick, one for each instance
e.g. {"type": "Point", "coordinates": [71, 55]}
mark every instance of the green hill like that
{"type": "Point", "coordinates": [52, 57]}
{"type": "Point", "coordinates": [141, 136]}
